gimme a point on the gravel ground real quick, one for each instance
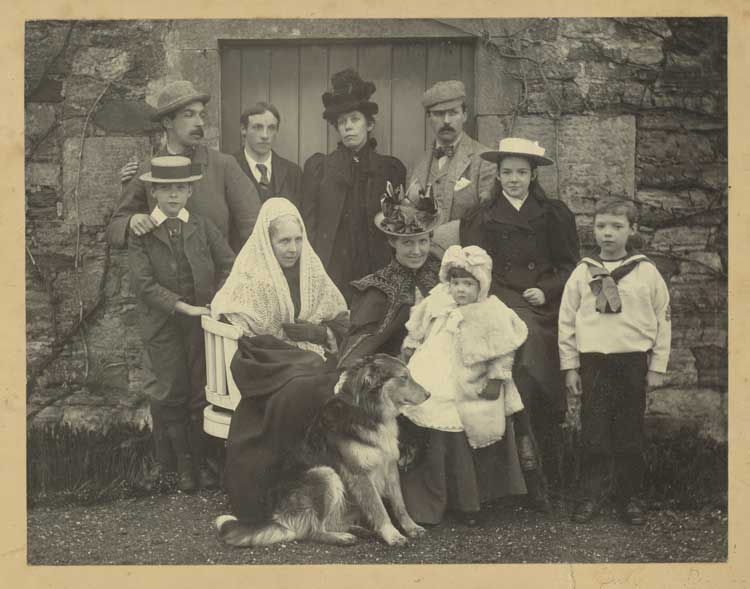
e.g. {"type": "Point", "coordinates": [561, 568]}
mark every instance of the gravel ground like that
{"type": "Point", "coordinates": [178, 529]}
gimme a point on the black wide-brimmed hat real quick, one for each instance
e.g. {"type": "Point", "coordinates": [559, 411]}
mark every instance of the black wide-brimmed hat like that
{"type": "Point", "coordinates": [348, 92]}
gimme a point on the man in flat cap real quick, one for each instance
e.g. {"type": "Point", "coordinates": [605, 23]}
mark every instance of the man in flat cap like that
{"type": "Point", "coordinates": [224, 194]}
{"type": "Point", "coordinates": [460, 179]}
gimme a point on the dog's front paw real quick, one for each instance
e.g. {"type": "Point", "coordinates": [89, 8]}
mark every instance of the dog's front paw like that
{"type": "Point", "coordinates": [392, 536]}
{"type": "Point", "coordinates": [413, 530]}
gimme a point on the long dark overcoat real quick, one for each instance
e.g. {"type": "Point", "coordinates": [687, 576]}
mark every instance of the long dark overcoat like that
{"type": "Point", "coordinates": [536, 247]}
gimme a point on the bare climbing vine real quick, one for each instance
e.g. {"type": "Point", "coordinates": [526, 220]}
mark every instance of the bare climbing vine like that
{"type": "Point", "coordinates": [84, 313]}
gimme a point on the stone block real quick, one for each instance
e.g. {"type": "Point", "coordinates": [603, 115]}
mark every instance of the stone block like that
{"type": "Point", "coordinates": [39, 119]}
{"type": "Point", "coordinates": [126, 116]}
{"type": "Point", "coordinates": [48, 90]}
{"type": "Point", "coordinates": [679, 121]}
{"type": "Point", "coordinates": [80, 95]}
{"type": "Point", "coordinates": [99, 188]}
{"type": "Point", "coordinates": [712, 365]}
{"type": "Point", "coordinates": [499, 92]}
{"type": "Point", "coordinates": [713, 175]}
{"type": "Point", "coordinates": [615, 42]}
{"type": "Point", "coordinates": [702, 264]}
{"type": "Point", "coordinates": [104, 63]}
{"type": "Point", "coordinates": [44, 39]}
{"type": "Point", "coordinates": [698, 296]}
{"type": "Point", "coordinates": [669, 409]}
{"type": "Point", "coordinates": [658, 206]}
{"type": "Point", "coordinates": [204, 33]}
{"type": "Point", "coordinates": [660, 148]}
{"type": "Point", "coordinates": [682, 239]}
{"type": "Point", "coordinates": [40, 175]}
{"type": "Point", "coordinates": [682, 371]}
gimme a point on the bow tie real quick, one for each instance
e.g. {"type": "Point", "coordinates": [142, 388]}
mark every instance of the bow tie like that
{"type": "Point", "coordinates": [440, 151]}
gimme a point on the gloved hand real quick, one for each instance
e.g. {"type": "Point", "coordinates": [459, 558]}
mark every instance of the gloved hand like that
{"type": "Point", "coordinates": [304, 331]}
{"type": "Point", "coordinates": [406, 354]}
{"type": "Point", "coordinates": [492, 390]}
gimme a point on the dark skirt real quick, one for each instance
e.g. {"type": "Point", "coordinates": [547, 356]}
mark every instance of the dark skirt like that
{"type": "Point", "coordinates": [282, 389]}
{"type": "Point", "coordinates": [539, 356]}
{"type": "Point", "coordinates": [449, 475]}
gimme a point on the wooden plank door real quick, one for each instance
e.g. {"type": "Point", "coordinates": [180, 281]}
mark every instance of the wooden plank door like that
{"type": "Point", "coordinates": [294, 77]}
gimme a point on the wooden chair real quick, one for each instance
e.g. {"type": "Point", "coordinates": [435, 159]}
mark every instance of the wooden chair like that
{"type": "Point", "coordinates": [221, 391]}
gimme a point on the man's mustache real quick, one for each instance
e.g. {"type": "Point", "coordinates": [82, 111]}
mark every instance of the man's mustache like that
{"type": "Point", "coordinates": [446, 128]}
{"type": "Point", "coordinates": [198, 132]}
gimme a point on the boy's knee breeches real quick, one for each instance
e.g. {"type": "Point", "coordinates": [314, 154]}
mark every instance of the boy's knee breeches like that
{"type": "Point", "coordinates": [613, 403]}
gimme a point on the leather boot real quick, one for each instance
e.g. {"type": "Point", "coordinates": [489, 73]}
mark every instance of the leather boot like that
{"type": "Point", "coordinates": [178, 437]}
{"type": "Point", "coordinates": [528, 455]}
{"type": "Point", "coordinates": [206, 477]}
{"type": "Point", "coordinates": [537, 498]}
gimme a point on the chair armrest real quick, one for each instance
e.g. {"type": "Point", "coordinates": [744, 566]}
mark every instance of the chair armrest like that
{"type": "Point", "coordinates": [226, 330]}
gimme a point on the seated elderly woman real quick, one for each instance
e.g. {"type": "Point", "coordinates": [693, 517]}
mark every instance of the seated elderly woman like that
{"type": "Point", "coordinates": [292, 316]}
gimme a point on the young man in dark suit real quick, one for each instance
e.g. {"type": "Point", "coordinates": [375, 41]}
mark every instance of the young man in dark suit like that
{"type": "Point", "coordinates": [272, 174]}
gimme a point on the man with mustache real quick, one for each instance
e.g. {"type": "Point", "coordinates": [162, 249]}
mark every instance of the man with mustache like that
{"type": "Point", "coordinates": [224, 194]}
{"type": "Point", "coordinates": [460, 179]}
{"type": "Point", "coordinates": [272, 174]}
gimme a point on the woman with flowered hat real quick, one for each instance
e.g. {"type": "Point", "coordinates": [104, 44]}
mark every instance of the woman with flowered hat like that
{"type": "Point", "coordinates": [533, 243]}
{"type": "Point", "coordinates": [342, 190]}
{"type": "Point", "coordinates": [382, 300]}
{"type": "Point", "coordinates": [379, 314]}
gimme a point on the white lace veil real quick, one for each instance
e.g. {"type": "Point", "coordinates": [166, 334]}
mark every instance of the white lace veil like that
{"type": "Point", "coordinates": [256, 296]}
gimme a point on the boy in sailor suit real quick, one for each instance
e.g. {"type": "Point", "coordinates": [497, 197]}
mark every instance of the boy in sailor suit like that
{"type": "Point", "coordinates": [614, 341]}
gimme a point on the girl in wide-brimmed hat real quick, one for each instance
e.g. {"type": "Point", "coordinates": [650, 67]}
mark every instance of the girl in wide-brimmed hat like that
{"type": "Point", "coordinates": [533, 243]}
{"type": "Point", "coordinates": [342, 190]}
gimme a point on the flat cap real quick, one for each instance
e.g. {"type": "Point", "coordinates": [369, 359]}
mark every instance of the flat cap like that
{"type": "Point", "coordinates": [447, 94]}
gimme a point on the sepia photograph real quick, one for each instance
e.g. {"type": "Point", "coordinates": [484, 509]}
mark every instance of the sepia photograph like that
{"type": "Point", "coordinates": [376, 291]}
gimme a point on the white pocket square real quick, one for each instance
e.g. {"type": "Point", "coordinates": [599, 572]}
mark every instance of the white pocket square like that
{"type": "Point", "coordinates": [462, 183]}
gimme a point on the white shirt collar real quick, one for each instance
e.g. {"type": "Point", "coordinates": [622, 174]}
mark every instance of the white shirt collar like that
{"type": "Point", "coordinates": [253, 164]}
{"type": "Point", "coordinates": [158, 216]}
{"type": "Point", "coordinates": [516, 202]}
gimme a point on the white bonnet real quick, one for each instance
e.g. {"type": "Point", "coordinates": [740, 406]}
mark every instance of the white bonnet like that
{"type": "Point", "coordinates": [474, 260]}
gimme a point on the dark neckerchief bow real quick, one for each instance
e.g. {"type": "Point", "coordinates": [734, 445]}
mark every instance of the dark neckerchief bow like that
{"type": "Point", "coordinates": [439, 151]}
{"type": "Point", "coordinates": [604, 283]}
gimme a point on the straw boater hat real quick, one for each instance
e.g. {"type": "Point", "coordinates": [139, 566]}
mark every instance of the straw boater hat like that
{"type": "Point", "coordinates": [515, 146]}
{"type": "Point", "coordinates": [176, 95]}
{"type": "Point", "coordinates": [400, 217]}
{"type": "Point", "coordinates": [171, 169]}
{"type": "Point", "coordinates": [349, 92]}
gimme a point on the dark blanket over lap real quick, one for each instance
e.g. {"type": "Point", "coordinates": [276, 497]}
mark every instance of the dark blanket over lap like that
{"type": "Point", "coordinates": [282, 388]}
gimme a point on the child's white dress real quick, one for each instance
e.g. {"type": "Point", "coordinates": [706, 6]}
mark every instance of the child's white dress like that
{"type": "Point", "coordinates": [457, 351]}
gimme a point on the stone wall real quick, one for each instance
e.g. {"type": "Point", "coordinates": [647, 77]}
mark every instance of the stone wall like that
{"type": "Point", "coordinates": [631, 107]}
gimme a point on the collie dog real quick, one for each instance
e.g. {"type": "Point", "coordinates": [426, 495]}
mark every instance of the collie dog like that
{"type": "Point", "coordinates": [345, 467]}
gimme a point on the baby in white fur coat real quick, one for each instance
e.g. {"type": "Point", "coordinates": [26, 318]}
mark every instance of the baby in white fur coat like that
{"type": "Point", "coordinates": [460, 347]}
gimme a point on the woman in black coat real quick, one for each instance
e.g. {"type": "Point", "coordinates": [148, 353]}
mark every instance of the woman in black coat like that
{"type": "Point", "coordinates": [342, 190]}
{"type": "Point", "coordinates": [533, 243]}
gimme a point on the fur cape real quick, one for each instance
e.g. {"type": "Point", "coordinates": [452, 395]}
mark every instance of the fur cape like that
{"type": "Point", "coordinates": [487, 334]}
